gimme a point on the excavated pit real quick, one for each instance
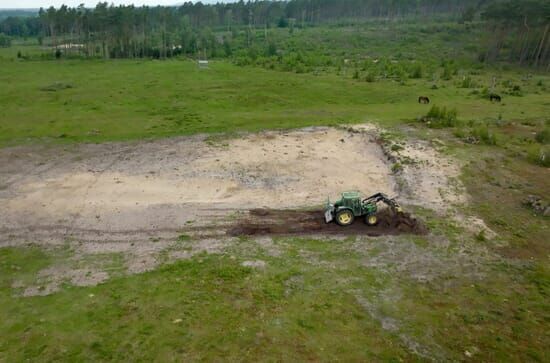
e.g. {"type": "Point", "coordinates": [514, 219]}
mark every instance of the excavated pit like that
{"type": "Point", "coordinates": [295, 222]}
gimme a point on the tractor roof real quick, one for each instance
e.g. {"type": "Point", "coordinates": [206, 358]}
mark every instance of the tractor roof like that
{"type": "Point", "coordinates": [351, 195]}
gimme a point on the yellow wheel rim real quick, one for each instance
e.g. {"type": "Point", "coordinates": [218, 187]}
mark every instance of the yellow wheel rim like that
{"type": "Point", "coordinates": [344, 218]}
{"type": "Point", "coordinates": [372, 219]}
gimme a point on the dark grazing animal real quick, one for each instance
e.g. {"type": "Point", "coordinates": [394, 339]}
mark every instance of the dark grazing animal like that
{"type": "Point", "coordinates": [494, 97]}
{"type": "Point", "coordinates": [424, 100]}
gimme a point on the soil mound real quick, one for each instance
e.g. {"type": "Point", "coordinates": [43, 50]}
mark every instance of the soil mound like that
{"type": "Point", "coordinates": [296, 222]}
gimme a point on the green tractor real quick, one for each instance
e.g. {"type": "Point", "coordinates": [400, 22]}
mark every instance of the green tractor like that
{"type": "Point", "coordinates": [352, 205]}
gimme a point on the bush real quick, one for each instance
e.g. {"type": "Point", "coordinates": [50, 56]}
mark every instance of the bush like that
{"type": "Point", "coordinates": [417, 72]}
{"type": "Point", "coordinates": [539, 155]}
{"type": "Point", "coordinates": [441, 117]}
{"type": "Point", "coordinates": [459, 133]}
{"type": "Point", "coordinates": [543, 136]}
{"type": "Point", "coordinates": [514, 90]}
{"type": "Point", "coordinates": [271, 49]}
{"type": "Point", "coordinates": [370, 77]}
{"type": "Point", "coordinates": [484, 135]}
{"type": "Point", "coordinates": [396, 168]}
{"type": "Point", "coordinates": [5, 41]}
{"type": "Point", "coordinates": [468, 82]}
{"type": "Point", "coordinates": [447, 73]}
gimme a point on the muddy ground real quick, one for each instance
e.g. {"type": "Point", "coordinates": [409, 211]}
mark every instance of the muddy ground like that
{"type": "Point", "coordinates": [140, 198]}
{"type": "Point", "coordinates": [292, 222]}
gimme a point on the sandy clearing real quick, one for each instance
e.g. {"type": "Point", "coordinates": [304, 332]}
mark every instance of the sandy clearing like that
{"type": "Point", "coordinates": [136, 198]}
{"type": "Point", "coordinates": [164, 184]}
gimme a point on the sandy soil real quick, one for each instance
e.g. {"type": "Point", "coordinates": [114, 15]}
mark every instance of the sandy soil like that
{"type": "Point", "coordinates": [137, 198]}
{"type": "Point", "coordinates": [119, 191]}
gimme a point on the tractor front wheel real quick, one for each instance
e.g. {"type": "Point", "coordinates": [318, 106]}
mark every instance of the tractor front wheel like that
{"type": "Point", "coordinates": [345, 217]}
{"type": "Point", "coordinates": [371, 220]}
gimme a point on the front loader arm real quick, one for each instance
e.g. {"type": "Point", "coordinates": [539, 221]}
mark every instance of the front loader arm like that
{"type": "Point", "coordinates": [381, 197]}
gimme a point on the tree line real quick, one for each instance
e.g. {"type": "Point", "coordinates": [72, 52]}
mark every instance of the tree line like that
{"type": "Point", "coordinates": [517, 30]}
{"type": "Point", "coordinates": [520, 30]}
{"type": "Point", "coordinates": [128, 31]}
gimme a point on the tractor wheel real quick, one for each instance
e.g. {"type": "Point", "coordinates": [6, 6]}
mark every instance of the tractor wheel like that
{"type": "Point", "coordinates": [371, 220]}
{"type": "Point", "coordinates": [345, 217]}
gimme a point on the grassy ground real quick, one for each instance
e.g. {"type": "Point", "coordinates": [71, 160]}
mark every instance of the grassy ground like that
{"type": "Point", "coordinates": [119, 100]}
{"type": "Point", "coordinates": [385, 299]}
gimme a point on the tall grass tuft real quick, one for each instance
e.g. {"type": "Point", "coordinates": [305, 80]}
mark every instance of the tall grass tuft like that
{"type": "Point", "coordinates": [539, 155]}
{"type": "Point", "coordinates": [441, 117]}
{"type": "Point", "coordinates": [484, 135]}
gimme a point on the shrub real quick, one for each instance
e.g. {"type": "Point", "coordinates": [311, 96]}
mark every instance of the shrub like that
{"type": "Point", "coordinates": [441, 117]}
{"type": "Point", "coordinates": [396, 168]}
{"type": "Point", "coordinates": [514, 90]}
{"type": "Point", "coordinates": [283, 22]}
{"type": "Point", "coordinates": [543, 136]}
{"type": "Point", "coordinates": [447, 73]}
{"type": "Point", "coordinates": [370, 77]}
{"type": "Point", "coordinates": [484, 135]}
{"type": "Point", "coordinates": [468, 82]}
{"type": "Point", "coordinates": [5, 41]}
{"type": "Point", "coordinates": [271, 49]}
{"type": "Point", "coordinates": [417, 72]}
{"type": "Point", "coordinates": [459, 133]}
{"type": "Point", "coordinates": [539, 155]}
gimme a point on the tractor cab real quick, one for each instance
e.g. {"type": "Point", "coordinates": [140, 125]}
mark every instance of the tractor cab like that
{"type": "Point", "coordinates": [351, 200]}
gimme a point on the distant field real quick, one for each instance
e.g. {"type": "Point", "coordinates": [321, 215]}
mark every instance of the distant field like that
{"type": "Point", "coordinates": [124, 99]}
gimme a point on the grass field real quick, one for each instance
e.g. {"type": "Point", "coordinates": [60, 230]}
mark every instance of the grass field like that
{"type": "Point", "coordinates": [211, 308]}
{"type": "Point", "coordinates": [119, 100]}
{"type": "Point", "coordinates": [451, 295]}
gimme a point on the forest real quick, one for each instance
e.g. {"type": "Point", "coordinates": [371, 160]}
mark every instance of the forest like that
{"type": "Point", "coordinates": [514, 31]}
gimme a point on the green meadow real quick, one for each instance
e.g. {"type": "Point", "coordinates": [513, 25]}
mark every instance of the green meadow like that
{"type": "Point", "coordinates": [97, 101]}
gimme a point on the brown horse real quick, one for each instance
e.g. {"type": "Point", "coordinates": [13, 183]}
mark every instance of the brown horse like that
{"type": "Point", "coordinates": [424, 100]}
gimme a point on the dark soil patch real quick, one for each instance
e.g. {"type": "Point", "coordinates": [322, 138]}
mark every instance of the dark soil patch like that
{"type": "Point", "coordinates": [293, 222]}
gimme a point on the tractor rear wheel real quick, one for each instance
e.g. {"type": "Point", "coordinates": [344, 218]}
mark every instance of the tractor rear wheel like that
{"type": "Point", "coordinates": [371, 220]}
{"type": "Point", "coordinates": [345, 217]}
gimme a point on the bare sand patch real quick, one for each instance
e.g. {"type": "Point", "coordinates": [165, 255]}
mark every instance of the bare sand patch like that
{"type": "Point", "coordinates": [136, 198]}
{"type": "Point", "coordinates": [166, 183]}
